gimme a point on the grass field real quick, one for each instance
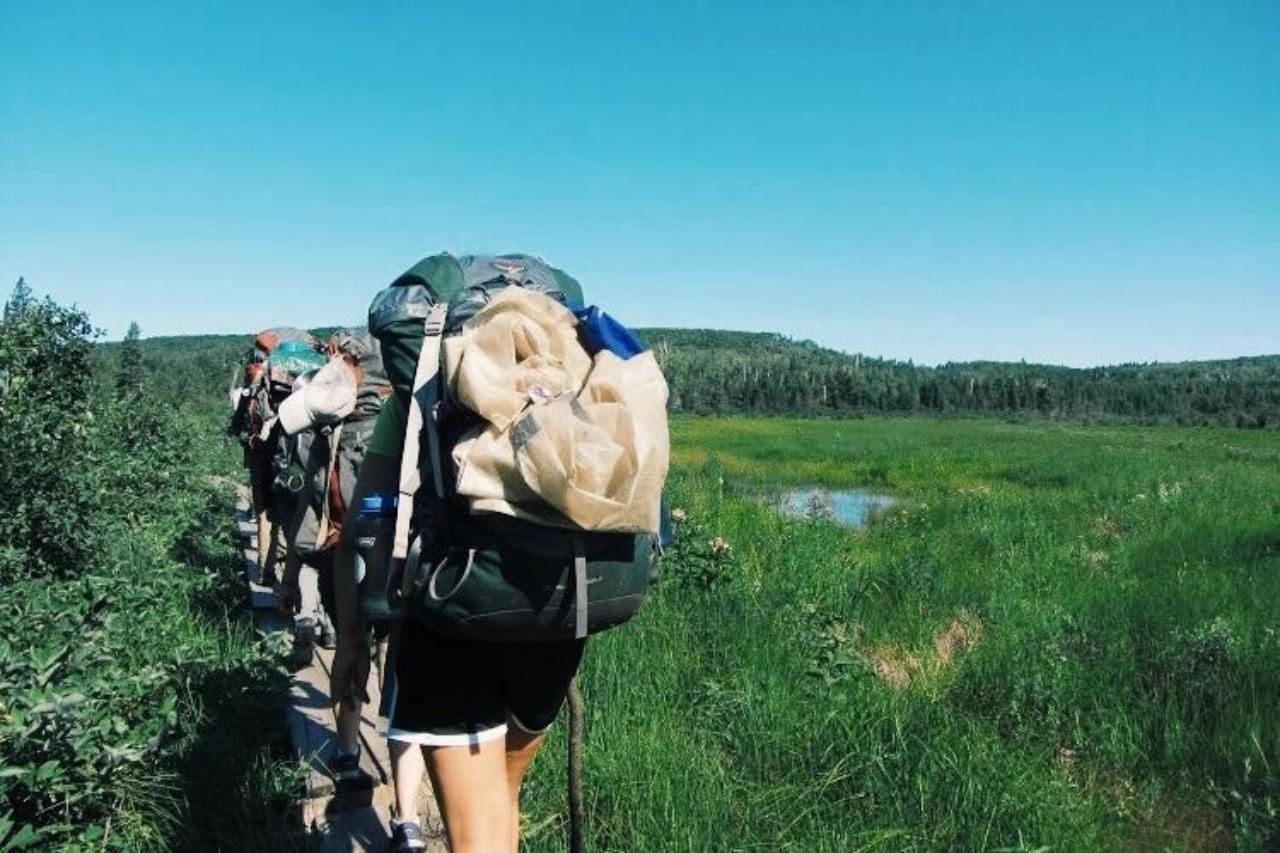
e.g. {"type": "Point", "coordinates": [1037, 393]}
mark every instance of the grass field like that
{"type": "Point", "coordinates": [1062, 638]}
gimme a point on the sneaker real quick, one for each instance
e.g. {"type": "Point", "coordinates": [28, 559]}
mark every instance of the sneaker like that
{"type": "Point", "coordinates": [328, 637]}
{"type": "Point", "coordinates": [304, 628]}
{"type": "Point", "coordinates": [346, 771]}
{"type": "Point", "coordinates": [406, 836]}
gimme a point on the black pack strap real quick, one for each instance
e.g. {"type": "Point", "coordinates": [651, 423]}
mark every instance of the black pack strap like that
{"type": "Point", "coordinates": [430, 397]}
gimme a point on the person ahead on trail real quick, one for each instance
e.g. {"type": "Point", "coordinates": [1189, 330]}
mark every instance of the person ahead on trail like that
{"type": "Point", "coordinates": [512, 493]}
{"type": "Point", "coordinates": [276, 359]}
{"type": "Point", "coordinates": [330, 420]}
{"type": "Point", "coordinates": [302, 473]}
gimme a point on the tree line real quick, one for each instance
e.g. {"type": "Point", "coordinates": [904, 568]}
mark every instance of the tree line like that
{"type": "Point", "coordinates": [716, 372]}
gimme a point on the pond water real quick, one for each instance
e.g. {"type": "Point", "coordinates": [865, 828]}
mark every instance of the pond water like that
{"type": "Point", "coordinates": [847, 507]}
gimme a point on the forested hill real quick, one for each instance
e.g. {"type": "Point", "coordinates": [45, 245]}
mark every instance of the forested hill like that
{"type": "Point", "coordinates": [717, 371]}
{"type": "Point", "coordinates": [723, 372]}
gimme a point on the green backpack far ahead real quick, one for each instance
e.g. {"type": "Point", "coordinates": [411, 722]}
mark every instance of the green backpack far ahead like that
{"type": "Point", "coordinates": [277, 357]}
{"type": "Point", "coordinates": [487, 576]}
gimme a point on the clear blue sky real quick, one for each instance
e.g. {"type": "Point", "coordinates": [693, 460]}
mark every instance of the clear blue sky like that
{"type": "Point", "coordinates": [1071, 182]}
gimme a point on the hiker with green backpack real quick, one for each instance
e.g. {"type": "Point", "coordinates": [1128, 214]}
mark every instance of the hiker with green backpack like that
{"type": "Point", "coordinates": [302, 465]}
{"type": "Point", "coordinates": [330, 420]}
{"type": "Point", "coordinates": [276, 359]}
{"type": "Point", "coordinates": [294, 464]}
{"type": "Point", "coordinates": [513, 493]}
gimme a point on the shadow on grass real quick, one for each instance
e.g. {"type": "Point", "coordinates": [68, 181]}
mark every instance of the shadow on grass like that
{"type": "Point", "coordinates": [240, 781]}
{"type": "Point", "coordinates": [238, 776]}
{"type": "Point", "coordinates": [1206, 544]}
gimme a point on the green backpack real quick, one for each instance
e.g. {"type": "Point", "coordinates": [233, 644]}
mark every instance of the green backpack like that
{"type": "Point", "coordinates": [326, 462]}
{"type": "Point", "coordinates": [486, 576]}
{"type": "Point", "coordinates": [277, 357]}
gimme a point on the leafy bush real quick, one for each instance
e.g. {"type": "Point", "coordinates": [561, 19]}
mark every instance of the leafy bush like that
{"type": "Point", "coordinates": [44, 422]}
{"type": "Point", "coordinates": [131, 690]}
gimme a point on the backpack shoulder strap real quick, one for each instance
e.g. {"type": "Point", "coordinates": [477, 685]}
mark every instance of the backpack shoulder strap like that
{"type": "Point", "coordinates": [421, 404]}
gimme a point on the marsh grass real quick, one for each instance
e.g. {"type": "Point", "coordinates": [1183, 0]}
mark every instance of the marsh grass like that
{"type": "Point", "coordinates": [1062, 637]}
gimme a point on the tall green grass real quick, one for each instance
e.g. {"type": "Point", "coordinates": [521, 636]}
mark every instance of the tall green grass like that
{"type": "Point", "coordinates": [1062, 638]}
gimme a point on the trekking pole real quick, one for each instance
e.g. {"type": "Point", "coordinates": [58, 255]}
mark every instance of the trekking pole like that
{"type": "Point", "coordinates": [577, 821]}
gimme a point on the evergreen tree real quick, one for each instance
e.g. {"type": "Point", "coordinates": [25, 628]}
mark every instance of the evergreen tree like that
{"type": "Point", "coordinates": [18, 301]}
{"type": "Point", "coordinates": [130, 376]}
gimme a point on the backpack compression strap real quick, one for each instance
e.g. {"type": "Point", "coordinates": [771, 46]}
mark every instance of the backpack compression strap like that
{"type": "Point", "coordinates": [323, 533]}
{"type": "Point", "coordinates": [421, 411]}
{"type": "Point", "coordinates": [579, 589]}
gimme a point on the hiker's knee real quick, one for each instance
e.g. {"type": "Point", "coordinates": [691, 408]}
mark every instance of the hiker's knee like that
{"type": "Point", "coordinates": [481, 833]}
{"type": "Point", "coordinates": [522, 748]}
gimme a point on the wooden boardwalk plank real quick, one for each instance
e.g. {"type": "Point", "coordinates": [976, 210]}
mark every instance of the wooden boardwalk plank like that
{"type": "Point", "coordinates": [341, 820]}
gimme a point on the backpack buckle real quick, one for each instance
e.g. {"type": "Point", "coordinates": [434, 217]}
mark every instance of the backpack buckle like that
{"type": "Point", "coordinates": [434, 324]}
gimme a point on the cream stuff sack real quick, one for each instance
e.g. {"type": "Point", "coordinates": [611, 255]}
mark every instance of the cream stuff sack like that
{"type": "Point", "coordinates": [584, 437]}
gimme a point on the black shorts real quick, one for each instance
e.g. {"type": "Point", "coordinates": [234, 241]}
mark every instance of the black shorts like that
{"type": "Point", "coordinates": [451, 692]}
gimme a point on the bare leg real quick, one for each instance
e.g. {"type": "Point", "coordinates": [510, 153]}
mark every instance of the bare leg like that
{"type": "Point", "coordinates": [265, 540]}
{"type": "Point", "coordinates": [407, 766]}
{"type": "Point", "coordinates": [380, 659]}
{"type": "Point", "coordinates": [275, 538]}
{"type": "Point", "coordinates": [474, 797]}
{"type": "Point", "coordinates": [349, 726]}
{"type": "Point", "coordinates": [521, 749]}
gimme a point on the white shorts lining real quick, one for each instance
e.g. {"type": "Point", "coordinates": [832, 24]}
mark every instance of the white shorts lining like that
{"type": "Point", "coordinates": [459, 739]}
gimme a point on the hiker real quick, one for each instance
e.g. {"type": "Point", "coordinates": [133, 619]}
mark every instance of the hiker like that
{"type": "Point", "coordinates": [492, 557]}
{"type": "Point", "coordinates": [276, 358]}
{"type": "Point", "coordinates": [301, 459]}
{"type": "Point", "coordinates": [331, 419]}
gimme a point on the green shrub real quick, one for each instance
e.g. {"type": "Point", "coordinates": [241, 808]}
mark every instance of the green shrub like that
{"type": "Point", "coordinates": [45, 419]}
{"type": "Point", "coordinates": [138, 709]}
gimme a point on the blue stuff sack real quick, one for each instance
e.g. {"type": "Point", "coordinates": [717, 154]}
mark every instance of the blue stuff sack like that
{"type": "Point", "coordinates": [599, 332]}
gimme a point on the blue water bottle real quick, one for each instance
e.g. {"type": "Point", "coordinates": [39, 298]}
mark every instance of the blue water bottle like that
{"type": "Point", "coordinates": [375, 529]}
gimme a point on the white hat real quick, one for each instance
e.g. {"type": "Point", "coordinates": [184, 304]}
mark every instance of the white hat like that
{"type": "Point", "coordinates": [328, 398]}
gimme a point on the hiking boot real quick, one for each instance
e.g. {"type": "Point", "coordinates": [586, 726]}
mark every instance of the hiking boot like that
{"type": "Point", "coordinates": [304, 639]}
{"type": "Point", "coordinates": [346, 771]}
{"type": "Point", "coordinates": [406, 836]}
